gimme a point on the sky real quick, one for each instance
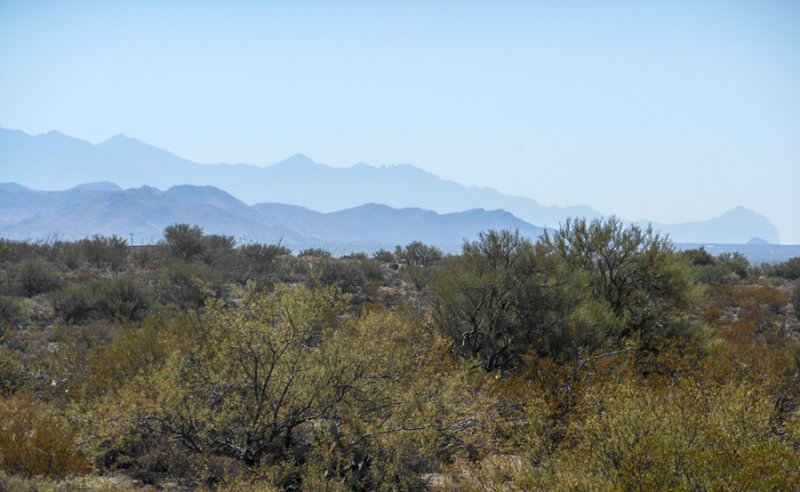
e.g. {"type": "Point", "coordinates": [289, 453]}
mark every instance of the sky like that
{"type": "Point", "coordinates": [670, 111]}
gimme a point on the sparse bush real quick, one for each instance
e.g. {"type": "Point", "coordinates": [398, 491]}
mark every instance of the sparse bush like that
{"type": "Point", "coordinates": [350, 276]}
{"type": "Point", "coordinates": [257, 261]}
{"type": "Point", "coordinates": [32, 277]}
{"type": "Point", "coordinates": [315, 252]}
{"type": "Point", "coordinates": [110, 298]}
{"type": "Point", "coordinates": [70, 254]}
{"type": "Point", "coordinates": [293, 270]}
{"type": "Point", "coordinates": [714, 274]}
{"type": "Point", "coordinates": [384, 256]}
{"type": "Point", "coordinates": [189, 285]}
{"type": "Point", "coordinates": [105, 252]}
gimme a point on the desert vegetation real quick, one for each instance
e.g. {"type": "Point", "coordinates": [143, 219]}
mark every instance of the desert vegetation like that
{"type": "Point", "coordinates": [595, 358]}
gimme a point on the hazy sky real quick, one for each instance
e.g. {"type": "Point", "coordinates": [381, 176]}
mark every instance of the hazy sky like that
{"type": "Point", "coordinates": [671, 111]}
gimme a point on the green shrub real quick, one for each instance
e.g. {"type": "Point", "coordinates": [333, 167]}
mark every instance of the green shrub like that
{"type": "Point", "coordinates": [218, 251]}
{"type": "Point", "coordinates": [188, 285]}
{"type": "Point", "coordinates": [417, 253]}
{"type": "Point", "coordinates": [699, 256]}
{"type": "Point", "coordinates": [790, 269]}
{"type": "Point", "coordinates": [185, 242]}
{"type": "Point", "coordinates": [110, 298]}
{"type": "Point", "coordinates": [292, 269]}
{"type": "Point", "coordinates": [105, 252]}
{"type": "Point", "coordinates": [736, 263]}
{"type": "Point", "coordinates": [713, 274]}
{"type": "Point", "coordinates": [498, 300]}
{"type": "Point", "coordinates": [32, 277]}
{"type": "Point", "coordinates": [257, 261]}
{"type": "Point", "coordinates": [315, 252]}
{"type": "Point", "coordinates": [10, 312]}
{"type": "Point", "coordinates": [384, 256]}
{"type": "Point", "coordinates": [350, 276]}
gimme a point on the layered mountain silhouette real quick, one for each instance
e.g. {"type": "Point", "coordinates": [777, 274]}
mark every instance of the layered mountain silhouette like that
{"type": "Point", "coordinates": [106, 209]}
{"type": "Point", "coordinates": [736, 226]}
{"type": "Point", "coordinates": [55, 161]}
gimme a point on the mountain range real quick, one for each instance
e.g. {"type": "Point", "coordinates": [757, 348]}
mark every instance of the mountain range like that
{"type": "Point", "coordinates": [106, 209]}
{"type": "Point", "coordinates": [55, 161]}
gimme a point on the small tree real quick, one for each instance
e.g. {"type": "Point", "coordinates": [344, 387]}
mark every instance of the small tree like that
{"type": "Point", "coordinates": [105, 251]}
{"type": "Point", "coordinates": [184, 241]}
{"type": "Point", "coordinates": [499, 299]}
{"type": "Point", "coordinates": [418, 254]}
{"type": "Point", "coordinates": [635, 273]}
{"type": "Point", "coordinates": [315, 252]}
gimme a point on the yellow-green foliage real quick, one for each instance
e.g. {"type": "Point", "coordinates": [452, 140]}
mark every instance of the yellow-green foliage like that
{"type": "Point", "coordinates": [34, 440]}
{"type": "Point", "coordinates": [713, 417]}
{"type": "Point", "coordinates": [288, 377]}
{"type": "Point", "coordinates": [584, 362]}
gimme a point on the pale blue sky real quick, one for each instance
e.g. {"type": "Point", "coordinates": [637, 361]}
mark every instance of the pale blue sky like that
{"type": "Point", "coordinates": [672, 111]}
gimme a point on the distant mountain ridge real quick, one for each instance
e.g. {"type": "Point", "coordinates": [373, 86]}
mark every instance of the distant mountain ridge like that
{"type": "Point", "coordinates": [57, 161]}
{"type": "Point", "coordinates": [106, 209]}
{"type": "Point", "coordinates": [736, 226]}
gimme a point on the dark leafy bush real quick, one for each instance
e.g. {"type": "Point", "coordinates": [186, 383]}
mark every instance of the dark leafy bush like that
{"type": "Point", "coordinates": [32, 277]}
{"type": "Point", "coordinates": [123, 299]}
{"type": "Point", "coordinates": [185, 241]}
{"type": "Point", "coordinates": [217, 249]}
{"type": "Point", "coordinates": [498, 300]}
{"type": "Point", "coordinates": [384, 256]}
{"type": "Point", "coordinates": [789, 269]}
{"type": "Point", "coordinates": [632, 272]}
{"type": "Point", "coordinates": [417, 253]}
{"type": "Point", "coordinates": [350, 276]}
{"type": "Point", "coordinates": [257, 261]}
{"type": "Point", "coordinates": [735, 262]}
{"type": "Point", "coordinates": [105, 252]}
{"type": "Point", "coordinates": [714, 274]}
{"type": "Point", "coordinates": [699, 256]}
{"type": "Point", "coordinates": [189, 285]}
